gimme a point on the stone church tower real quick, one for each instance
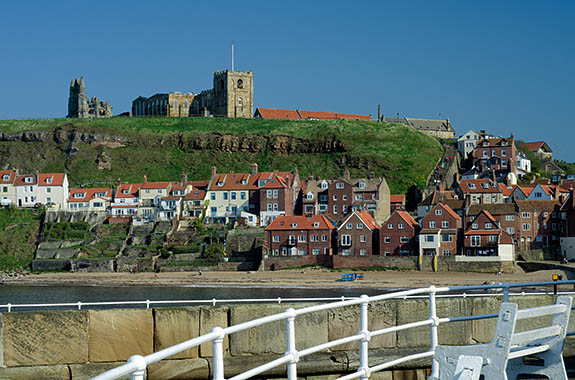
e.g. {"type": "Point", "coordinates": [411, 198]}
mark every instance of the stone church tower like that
{"type": "Point", "coordinates": [79, 106]}
{"type": "Point", "coordinates": [233, 94]}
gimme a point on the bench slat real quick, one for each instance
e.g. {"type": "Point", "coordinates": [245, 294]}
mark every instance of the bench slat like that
{"type": "Point", "coordinates": [525, 337]}
{"type": "Point", "coordinates": [528, 351]}
{"type": "Point", "coordinates": [540, 311]}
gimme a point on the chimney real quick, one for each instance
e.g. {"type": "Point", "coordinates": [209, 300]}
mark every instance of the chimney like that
{"type": "Point", "coordinates": [379, 112]}
{"type": "Point", "coordinates": [254, 169]}
{"type": "Point", "coordinates": [183, 178]}
{"type": "Point", "coordinates": [213, 171]}
{"type": "Point", "coordinates": [288, 181]}
{"type": "Point", "coordinates": [346, 174]}
{"type": "Point", "coordinates": [145, 178]}
{"type": "Point", "coordinates": [533, 178]}
{"type": "Point", "coordinates": [493, 176]}
{"type": "Point", "coordinates": [119, 182]}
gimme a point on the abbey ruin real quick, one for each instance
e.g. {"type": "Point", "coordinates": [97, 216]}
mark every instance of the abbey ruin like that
{"type": "Point", "coordinates": [80, 107]}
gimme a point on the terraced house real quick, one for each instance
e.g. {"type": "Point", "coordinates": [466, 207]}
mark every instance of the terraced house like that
{"type": "Point", "coordinates": [151, 194]}
{"type": "Point", "coordinates": [90, 199]}
{"type": "Point", "coordinates": [126, 202]}
{"type": "Point", "coordinates": [397, 236]}
{"type": "Point", "coordinates": [358, 235]}
{"type": "Point", "coordinates": [486, 239]}
{"type": "Point", "coordinates": [480, 191]}
{"type": "Point", "coordinates": [26, 187]}
{"type": "Point", "coordinates": [299, 236]}
{"type": "Point", "coordinates": [496, 154]}
{"type": "Point", "coordinates": [7, 189]}
{"type": "Point", "coordinates": [440, 232]}
{"type": "Point", "coordinates": [540, 224]}
{"type": "Point", "coordinates": [53, 189]}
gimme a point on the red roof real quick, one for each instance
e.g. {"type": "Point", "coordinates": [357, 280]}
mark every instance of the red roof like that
{"type": "Point", "coordinates": [155, 185]}
{"type": "Point", "coordinates": [408, 219]}
{"type": "Point", "coordinates": [195, 195]}
{"type": "Point", "coordinates": [483, 185]}
{"type": "Point", "coordinates": [365, 217]}
{"type": "Point", "coordinates": [397, 198]}
{"type": "Point", "coordinates": [300, 223]}
{"type": "Point", "coordinates": [270, 113]}
{"type": "Point", "coordinates": [507, 190]}
{"type": "Point", "coordinates": [9, 173]}
{"type": "Point", "coordinates": [535, 146]}
{"type": "Point", "coordinates": [128, 190]}
{"type": "Point", "coordinates": [20, 180]}
{"type": "Point", "coordinates": [51, 179]}
{"type": "Point", "coordinates": [87, 194]}
{"type": "Point", "coordinates": [449, 210]}
{"type": "Point", "coordinates": [246, 181]}
{"type": "Point", "coordinates": [276, 182]}
{"type": "Point", "coordinates": [200, 184]}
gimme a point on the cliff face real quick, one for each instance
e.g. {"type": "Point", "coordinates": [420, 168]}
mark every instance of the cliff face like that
{"type": "Point", "coordinates": [99, 156]}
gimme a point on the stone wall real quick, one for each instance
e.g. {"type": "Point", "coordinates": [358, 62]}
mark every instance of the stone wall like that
{"type": "Point", "coordinates": [64, 345]}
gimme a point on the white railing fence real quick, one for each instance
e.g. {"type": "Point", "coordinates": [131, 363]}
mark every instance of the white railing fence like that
{"type": "Point", "coordinates": [136, 365]}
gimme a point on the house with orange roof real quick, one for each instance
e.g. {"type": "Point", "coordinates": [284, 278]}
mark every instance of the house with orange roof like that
{"type": "Point", "coordinates": [26, 187]}
{"type": "Point", "coordinates": [485, 240]}
{"type": "Point", "coordinates": [194, 202]}
{"type": "Point", "coordinates": [95, 199]}
{"type": "Point", "coordinates": [520, 192]}
{"type": "Point", "coordinates": [541, 150]}
{"type": "Point", "coordinates": [53, 189]}
{"type": "Point", "coordinates": [397, 236]}
{"type": "Point", "coordinates": [126, 202]}
{"type": "Point", "coordinates": [438, 196]}
{"type": "Point", "coordinates": [229, 195]}
{"type": "Point", "coordinates": [440, 232]}
{"type": "Point", "coordinates": [479, 191]}
{"type": "Point", "coordinates": [7, 189]}
{"type": "Point", "coordinates": [297, 240]}
{"type": "Point", "coordinates": [396, 202]}
{"type": "Point", "coordinates": [279, 114]}
{"type": "Point", "coordinates": [151, 194]}
{"type": "Point", "coordinates": [358, 235]}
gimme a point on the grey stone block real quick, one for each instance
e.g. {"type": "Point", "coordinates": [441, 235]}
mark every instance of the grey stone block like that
{"type": "Point", "coordinates": [89, 370]}
{"type": "Point", "coordinates": [184, 369]}
{"type": "Point", "coordinates": [56, 372]}
{"type": "Point", "coordinates": [210, 317]}
{"type": "Point", "coordinates": [176, 325]}
{"type": "Point", "coordinates": [45, 338]}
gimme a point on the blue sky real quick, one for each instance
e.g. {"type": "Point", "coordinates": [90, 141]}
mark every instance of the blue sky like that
{"type": "Point", "coordinates": [503, 66]}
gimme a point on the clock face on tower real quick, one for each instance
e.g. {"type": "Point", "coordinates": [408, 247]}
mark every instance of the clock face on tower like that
{"type": "Point", "coordinates": [240, 83]}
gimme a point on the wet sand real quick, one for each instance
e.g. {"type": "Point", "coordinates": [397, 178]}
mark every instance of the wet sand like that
{"type": "Point", "coordinates": [282, 278]}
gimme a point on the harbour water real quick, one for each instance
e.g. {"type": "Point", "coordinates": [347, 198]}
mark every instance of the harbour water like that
{"type": "Point", "coordinates": [70, 294]}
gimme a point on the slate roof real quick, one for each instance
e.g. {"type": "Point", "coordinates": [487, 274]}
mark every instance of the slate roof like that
{"type": "Point", "coordinates": [493, 209]}
{"type": "Point", "coordinates": [280, 114]}
{"type": "Point", "coordinates": [423, 124]}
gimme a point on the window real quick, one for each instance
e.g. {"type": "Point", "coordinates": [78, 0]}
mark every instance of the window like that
{"type": "Point", "coordinates": [339, 185]}
{"type": "Point", "coordinates": [471, 186]}
{"type": "Point", "coordinates": [28, 179]}
{"type": "Point", "coordinates": [503, 153]}
{"type": "Point", "coordinates": [344, 197]}
{"type": "Point", "coordinates": [509, 218]}
{"type": "Point", "coordinates": [315, 224]}
{"type": "Point", "coordinates": [345, 239]}
{"type": "Point", "coordinates": [358, 197]}
{"type": "Point", "coordinates": [301, 252]}
{"type": "Point", "coordinates": [269, 194]}
{"type": "Point", "coordinates": [308, 209]}
{"type": "Point", "coordinates": [316, 251]}
{"type": "Point", "coordinates": [387, 239]}
{"type": "Point", "coordinates": [362, 238]}
{"type": "Point", "coordinates": [225, 196]}
{"type": "Point", "coordinates": [269, 207]}
{"type": "Point", "coordinates": [539, 238]}
{"type": "Point", "coordinates": [475, 241]}
{"type": "Point", "coordinates": [301, 239]}
{"type": "Point", "coordinates": [275, 193]}
{"type": "Point", "coordinates": [324, 185]}
{"type": "Point", "coordinates": [526, 226]}
{"type": "Point", "coordinates": [294, 225]}
{"type": "Point", "coordinates": [233, 195]}
{"type": "Point", "coordinates": [447, 252]}
{"type": "Point", "coordinates": [545, 214]}
{"type": "Point", "coordinates": [346, 252]}
{"type": "Point", "coordinates": [485, 153]}
{"type": "Point", "coordinates": [445, 224]}
{"type": "Point", "coordinates": [240, 83]}
{"type": "Point", "coordinates": [323, 198]}
{"type": "Point", "coordinates": [362, 185]}
{"type": "Point", "coordinates": [359, 226]}
{"type": "Point", "coordinates": [344, 209]}
{"type": "Point", "coordinates": [276, 207]}
{"type": "Point", "coordinates": [349, 226]}
{"type": "Point", "coordinates": [400, 226]}
{"type": "Point", "coordinates": [487, 226]}
{"type": "Point", "coordinates": [432, 224]}
{"type": "Point", "coordinates": [276, 238]}
{"type": "Point", "coordinates": [48, 189]}
{"type": "Point", "coordinates": [335, 209]}
{"type": "Point", "coordinates": [492, 238]}
{"type": "Point", "coordinates": [314, 238]}
{"type": "Point", "coordinates": [275, 252]}
{"type": "Point", "coordinates": [335, 197]}
{"type": "Point", "coordinates": [446, 238]}
{"type": "Point", "coordinates": [390, 226]}
{"type": "Point", "coordinates": [510, 230]}
{"type": "Point", "coordinates": [429, 238]}
{"type": "Point", "coordinates": [438, 212]}
{"type": "Point", "coordinates": [323, 237]}
{"type": "Point", "coordinates": [404, 239]}
{"type": "Point", "coordinates": [526, 215]}
{"type": "Point", "coordinates": [291, 240]}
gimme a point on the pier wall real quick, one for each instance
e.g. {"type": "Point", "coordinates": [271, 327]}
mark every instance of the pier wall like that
{"type": "Point", "coordinates": [78, 344]}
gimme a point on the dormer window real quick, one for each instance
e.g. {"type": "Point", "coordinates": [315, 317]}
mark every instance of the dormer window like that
{"type": "Point", "coordinates": [79, 195]}
{"type": "Point", "coordinates": [504, 143]}
{"type": "Point", "coordinates": [244, 181]}
{"type": "Point", "coordinates": [339, 185]}
{"type": "Point", "coordinates": [315, 224]}
{"type": "Point", "coordinates": [485, 185]}
{"type": "Point", "coordinates": [309, 196]}
{"type": "Point", "coordinates": [485, 143]}
{"type": "Point", "coordinates": [220, 184]}
{"type": "Point", "coordinates": [6, 177]}
{"type": "Point", "coordinates": [49, 181]}
{"type": "Point", "coordinates": [125, 191]}
{"type": "Point", "coordinates": [28, 179]}
{"type": "Point", "coordinates": [362, 185]}
{"type": "Point", "coordinates": [471, 186]}
{"type": "Point", "coordinates": [324, 185]}
{"type": "Point", "coordinates": [294, 225]}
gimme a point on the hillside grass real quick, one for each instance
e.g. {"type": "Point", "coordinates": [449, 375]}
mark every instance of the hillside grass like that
{"type": "Point", "coordinates": [18, 231]}
{"type": "Point", "coordinates": [403, 155]}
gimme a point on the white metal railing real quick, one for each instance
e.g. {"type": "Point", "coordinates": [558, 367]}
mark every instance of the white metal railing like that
{"type": "Point", "coordinates": [137, 364]}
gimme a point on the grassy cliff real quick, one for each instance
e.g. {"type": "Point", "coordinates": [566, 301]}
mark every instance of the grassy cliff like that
{"type": "Point", "coordinates": [96, 151]}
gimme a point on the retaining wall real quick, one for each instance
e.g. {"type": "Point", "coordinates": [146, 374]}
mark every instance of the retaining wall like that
{"type": "Point", "coordinates": [64, 345]}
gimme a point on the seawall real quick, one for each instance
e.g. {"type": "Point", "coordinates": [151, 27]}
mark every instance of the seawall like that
{"type": "Point", "coordinates": [78, 344]}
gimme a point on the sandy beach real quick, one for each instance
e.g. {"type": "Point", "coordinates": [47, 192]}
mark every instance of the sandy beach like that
{"type": "Point", "coordinates": [311, 278]}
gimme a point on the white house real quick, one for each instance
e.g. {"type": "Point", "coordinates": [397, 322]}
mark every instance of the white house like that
{"type": "Point", "coordinates": [90, 199]}
{"type": "Point", "coordinates": [53, 189]}
{"type": "Point", "coordinates": [126, 201]}
{"type": "Point", "coordinates": [523, 165]}
{"type": "Point", "coordinates": [466, 143]}
{"type": "Point", "coordinates": [26, 190]}
{"type": "Point", "coordinates": [7, 189]}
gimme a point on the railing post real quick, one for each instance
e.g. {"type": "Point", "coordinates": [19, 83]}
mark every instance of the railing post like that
{"type": "Point", "coordinates": [433, 330]}
{"type": "Point", "coordinates": [506, 292]}
{"type": "Point", "coordinates": [364, 343]}
{"type": "Point", "coordinates": [218, 354]}
{"type": "Point", "coordinates": [10, 306]}
{"type": "Point", "coordinates": [140, 362]}
{"type": "Point", "coordinates": [291, 349]}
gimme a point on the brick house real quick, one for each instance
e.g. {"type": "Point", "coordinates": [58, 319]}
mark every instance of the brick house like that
{"type": "Point", "coordinates": [440, 232]}
{"type": "Point", "coordinates": [299, 236]}
{"type": "Point", "coordinates": [484, 237]}
{"type": "Point", "coordinates": [438, 196]}
{"type": "Point", "coordinates": [506, 215]}
{"type": "Point", "coordinates": [358, 235]}
{"type": "Point", "coordinates": [396, 202]}
{"type": "Point", "coordinates": [567, 214]}
{"type": "Point", "coordinates": [540, 224]}
{"type": "Point", "coordinates": [397, 236]}
{"type": "Point", "coordinates": [496, 154]}
{"type": "Point", "coordinates": [480, 191]}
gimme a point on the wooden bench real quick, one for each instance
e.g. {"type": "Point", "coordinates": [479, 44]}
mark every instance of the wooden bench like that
{"type": "Point", "coordinates": [504, 357]}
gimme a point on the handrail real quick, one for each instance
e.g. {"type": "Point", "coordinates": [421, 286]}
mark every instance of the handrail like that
{"type": "Point", "coordinates": [136, 365]}
{"type": "Point", "coordinates": [501, 289]}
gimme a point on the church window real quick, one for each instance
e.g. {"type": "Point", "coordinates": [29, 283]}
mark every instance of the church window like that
{"type": "Point", "coordinates": [240, 83]}
{"type": "Point", "coordinates": [175, 105]}
{"type": "Point", "coordinates": [241, 104]}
